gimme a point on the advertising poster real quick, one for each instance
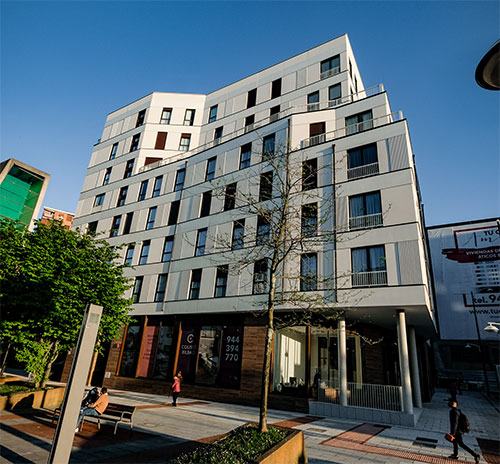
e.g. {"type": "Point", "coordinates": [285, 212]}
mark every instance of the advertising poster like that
{"type": "Point", "coordinates": [466, 272]}
{"type": "Point", "coordinates": [148, 353]}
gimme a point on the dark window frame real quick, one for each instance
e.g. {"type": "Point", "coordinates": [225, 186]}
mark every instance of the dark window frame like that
{"type": "Point", "coordinates": [168, 248]}
{"type": "Point", "coordinates": [201, 242]}
{"type": "Point", "coordinates": [150, 223]}
{"type": "Point", "coordinates": [230, 196]}
{"type": "Point", "coordinates": [195, 284]}
{"type": "Point", "coordinates": [206, 203]}
{"type": "Point", "coordinates": [221, 281]}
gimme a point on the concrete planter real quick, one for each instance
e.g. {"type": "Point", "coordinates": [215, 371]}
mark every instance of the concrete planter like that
{"type": "Point", "coordinates": [49, 399]}
{"type": "Point", "coordinates": [291, 450]}
{"type": "Point", "coordinates": [8, 378]}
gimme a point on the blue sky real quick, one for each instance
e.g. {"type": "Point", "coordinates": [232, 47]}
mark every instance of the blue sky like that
{"type": "Point", "coordinates": [66, 65]}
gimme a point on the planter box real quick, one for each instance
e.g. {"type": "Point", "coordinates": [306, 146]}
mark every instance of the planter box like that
{"type": "Point", "coordinates": [291, 450]}
{"type": "Point", "coordinates": [8, 378]}
{"type": "Point", "coordinates": [49, 399]}
{"type": "Point", "coordinates": [53, 398]}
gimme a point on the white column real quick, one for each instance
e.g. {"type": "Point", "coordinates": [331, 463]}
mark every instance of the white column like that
{"type": "Point", "coordinates": [415, 371]}
{"type": "Point", "coordinates": [404, 364]}
{"type": "Point", "coordinates": [342, 344]}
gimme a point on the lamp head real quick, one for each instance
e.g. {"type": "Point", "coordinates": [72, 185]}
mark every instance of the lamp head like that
{"type": "Point", "coordinates": [491, 328]}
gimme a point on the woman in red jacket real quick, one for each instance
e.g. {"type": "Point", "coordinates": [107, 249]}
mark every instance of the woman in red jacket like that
{"type": "Point", "coordinates": [176, 388]}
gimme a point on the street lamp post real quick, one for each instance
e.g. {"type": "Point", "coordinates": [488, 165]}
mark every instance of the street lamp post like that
{"type": "Point", "coordinates": [481, 350]}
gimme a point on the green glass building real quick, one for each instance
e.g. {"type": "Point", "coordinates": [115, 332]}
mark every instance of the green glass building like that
{"type": "Point", "coordinates": [22, 189]}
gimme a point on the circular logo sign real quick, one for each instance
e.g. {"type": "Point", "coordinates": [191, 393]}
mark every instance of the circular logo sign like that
{"type": "Point", "coordinates": [190, 338]}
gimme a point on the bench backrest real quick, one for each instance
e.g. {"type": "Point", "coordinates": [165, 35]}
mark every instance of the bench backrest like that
{"type": "Point", "coordinates": [115, 409]}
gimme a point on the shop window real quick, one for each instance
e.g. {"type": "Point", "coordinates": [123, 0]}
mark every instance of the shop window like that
{"type": "Point", "coordinates": [164, 356]}
{"type": "Point", "coordinates": [130, 353]}
{"type": "Point", "coordinates": [208, 355]}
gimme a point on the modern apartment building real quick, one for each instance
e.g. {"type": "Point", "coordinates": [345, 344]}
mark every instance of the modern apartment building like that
{"type": "Point", "coordinates": [160, 183]}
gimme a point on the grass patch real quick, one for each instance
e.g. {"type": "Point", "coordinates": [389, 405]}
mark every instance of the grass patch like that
{"type": "Point", "coordinates": [243, 445]}
{"type": "Point", "coordinates": [10, 388]}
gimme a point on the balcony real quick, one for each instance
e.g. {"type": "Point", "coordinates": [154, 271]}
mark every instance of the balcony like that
{"type": "Point", "coordinates": [365, 222]}
{"type": "Point", "coordinates": [315, 140]}
{"type": "Point", "coordinates": [330, 73]}
{"type": "Point", "coordinates": [369, 279]}
{"type": "Point", "coordinates": [362, 171]}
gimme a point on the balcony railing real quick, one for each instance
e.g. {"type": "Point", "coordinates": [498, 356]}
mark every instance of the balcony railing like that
{"type": "Point", "coordinates": [369, 279]}
{"type": "Point", "coordinates": [315, 140]}
{"type": "Point", "coordinates": [362, 171]}
{"type": "Point", "coordinates": [365, 222]}
{"type": "Point", "coordinates": [385, 397]}
{"type": "Point", "coordinates": [329, 73]}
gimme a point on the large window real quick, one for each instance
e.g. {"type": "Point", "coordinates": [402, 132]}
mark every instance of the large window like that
{"type": "Point", "coordinates": [128, 169]}
{"type": "Point", "coordinates": [143, 259]}
{"type": "Point", "coordinates": [201, 241]}
{"type": "Point", "coordinates": [209, 355]}
{"type": "Point", "coordinates": [136, 294]}
{"type": "Point", "coordinates": [309, 220]}
{"type": "Point", "coordinates": [142, 190]}
{"type": "Point", "coordinates": [210, 171]}
{"type": "Point", "coordinates": [266, 186]}
{"type": "Point", "coordinates": [161, 286]}
{"type": "Point", "coordinates": [230, 196]}
{"type": "Point", "coordinates": [334, 94]}
{"type": "Point", "coordinates": [310, 174]}
{"type": "Point", "coordinates": [151, 218]}
{"type": "Point", "coordinates": [212, 116]}
{"type": "Point", "coordinates": [245, 156]}
{"type": "Point", "coordinates": [260, 277]}
{"type": "Point", "coordinates": [166, 115]}
{"type": "Point", "coordinates": [135, 142]}
{"type": "Point", "coordinates": [122, 196]}
{"type": "Point", "coordinates": [365, 211]}
{"type": "Point", "coordinates": [251, 98]}
{"type": "Point", "coordinates": [162, 363]}
{"type": "Point", "coordinates": [268, 147]}
{"type": "Point", "coordinates": [313, 101]}
{"type": "Point", "coordinates": [330, 67]}
{"type": "Point", "coordinates": [189, 117]}
{"type": "Point", "coordinates": [99, 199]}
{"type": "Point", "coordinates": [115, 226]}
{"type": "Point", "coordinates": [263, 231]}
{"type": "Point", "coordinates": [276, 88]}
{"type": "Point", "coordinates": [167, 249]}
{"type": "Point", "coordinates": [221, 281]}
{"type": "Point", "coordinates": [218, 134]}
{"type": "Point", "coordinates": [129, 255]}
{"type": "Point", "coordinates": [194, 287]}
{"type": "Point", "coordinates": [237, 241]}
{"type": "Point", "coordinates": [157, 186]}
{"type": "Point", "coordinates": [369, 266]}
{"type": "Point", "coordinates": [308, 272]}
{"type": "Point", "coordinates": [359, 122]}
{"type": "Point", "coordinates": [131, 344]}
{"type": "Point", "coordinates": [362, 161]}
{"type": "Point", "coordinates": [173, 216]}
{"type": "Point", "coordinates": [206, 201]}
{"type": "Point", "coordinates": [179, 179]}
{"type": "Point", "coordinates": [185, 142]}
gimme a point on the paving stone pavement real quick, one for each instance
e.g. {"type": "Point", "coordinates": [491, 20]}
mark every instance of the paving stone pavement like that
{"type": "Point", "coordinates": [162, 431]}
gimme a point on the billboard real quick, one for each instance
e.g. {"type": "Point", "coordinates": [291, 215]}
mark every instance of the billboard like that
{"type": "Point", "coordinates": [466, 272]}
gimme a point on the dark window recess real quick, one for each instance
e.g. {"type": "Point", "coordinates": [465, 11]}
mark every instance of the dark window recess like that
{"type": "Point", "coordinates": [308, 272]}
{"type": "Point", "coordinates": [194, 288]}
{"type": "Point", "coordinates": [140, 118]}
{"type": "Point", "coordinates": [330, 66]}
{"type": "Point", "coordinates": [218, 133]}
{"type": "Point", "coordinates": [201, 241]}
{"type": "Point", "coordinates": [334, 94]}
{"type": "Point", "coordinates": [238, 234]}
{"type": "Point", "coordinates": [157, 186]}
{"type": "Point", "coordinates": [161, 287]}
{"type": "Point", "coordinates": [168, 246]}
{"type": "Point", "coordinates": [128, 169]}
{"type": "Point", "coordinates": [249, 121]}
{"type": "Point", "coordinates": [129, 255]}
{"type": "Point", "coordinates": [309, 220]}
{"type": "Point", "coordinates": [210, 172]}
{"type": "Point", "coordinates": [115, 226]}
{"type": "Point", "coordinates": [151, 218]}
{"type": "Point", "coordinates": [245, 156]}
{"type": "Point", "coordinates": [309, 174]}
{"type": "Point", "coordinates": [274, 113]}
{"type": "Point", "coordinates": [143, 259]}
{"type": "Point", "coordinates": [142, 190]}
{"type": "Point", "coordinates": [212, 116]}
{"type": "Point", "coordinates": [276, 88]}
{"type": "Point", "coordinates": [92, 227]}
{"type": "Point", "coordinates": [221, 281]}
{"type": "Point", "coordinates": [317, 133]}
{"type": "Point", "coordinates": [268, 147]}
{"type": "Point", "coordinates": [252, 98]}
{"type": "Point", "coordinates": [99, 200]}
{"type": "Point", "coordinates": [260, 277]}
{"type": "Point", "coordinates": [136, 296]}
{"type": "Point", "coordinates": [230, 197]}
{"type": "Point", "coordinates": [263, 231]}
{"type": "Point", "coordinates": [107, 175]}
{"type": "Point", "coordinates": [135, 142]}
{"type": "Point", "coordinates": [161, 140]}
{"type": "Point", "coordinates": [206, 201]}
{"type": "Point", "coordinates": [179, 179]}
{"type": "Point", "coordinates": [313, 101]}
{"type": "Point", "coordinates": [114, 149]}
{"type": "Point", "coordinates": [128, 223]}
{"type": "Point", "coordinates": [266, 186]}
{"type": "Point", "coordinates": [122, 196]}
{"type": "Point", "coordinates": [174, 213]}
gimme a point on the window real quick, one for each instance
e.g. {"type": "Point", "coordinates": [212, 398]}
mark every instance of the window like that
{"type": "Point", "coordinates": [359, 122]}
{"type": "Point", "coordinates": [185, 141]}
{"type": "Point", "coordinates": [206, 201]}
{"type": "Point", "coordinates": [355, 84]}
{"type": "Point", "coordinates": [210, 172]}
{"type": "Point", "coordinates": [268, 147]}
{"type": "Point", "coordinates": [151, 218]}
{"type": "Point", "coordinates": [129, 255]}
{"type": "Point", "coordinates": [251, 98]}
{"type": "Point", "coordinates": [369, 266]}
{"type": "Point", "coordinates": [309, 174]}
{"type": "Point", "coordinates": [334, 94]}
{"type": "Point", "coordinates": [135, 142]}
{"type": "Point", "coordinates": [317, 133]}
{"type": "Point", "coordinates": [313, 101]}
{"type": "Point", "coordinates": [161, 286]}
{"type": "Point", "coordinates": [230, 197]}
{"type": "Point", "coordinates": [140, 118]}
{"type": "Point", "coordinates": [221, 281]}
{"type": "Point", "coordinates": [260, 277]}
{"type": "Point", "coordinates": [330, 67]}
{"type": "Point", "coordinates": [128, 169]}
{"type": "Point", "coordinates": [274, 113]}
{"type": "Point", "coordinates": [128, 223]}
{"type": "Point", "coordinates": [161, 139]}
{"type": "Point", "coordinates": [189, 117]}
{"type": "Point", "coordinates": [350, 68]}
{"type": "Point", "coordinates": [136, 295]}
{"type": "Point", "coordinates": [166, 115]}
{"type": "Point", "coordinates": [122, 196]}
{"type": "Point", "coordinates": [218, 133]}
{"type": "Point", "coordinates": [201, 241]}
{"type": "Point", "coordinates": [308, 272]}
{"type": "Point", "coordinates": [115, 226]}
{"type": "Point", "coordinates": [142, 190]}
{"type": "Point", "coordinates": [238, 234]}
{"type": "Point", "coordinates": [143, 259]}
{"type": "Point", "coordinates": [99, 199]}
{"type": "Point", "coordinates": [211, 359]}
{"type": "Point", "coordinates": [362, 161]}
{"type": "Point", "coordinates": [309, 220]}
{"type": "Point", "coordinates": [365, 211]}
{"type": "Point", "coordinates": [263, 231]}
{"type": "Point", "coordinates": [276, 88]}
{"type": "Point", "coordinates": [212, 115]}
{"type": "Point", "coordinates": [245, 156]}
{"type": "Point", "coordinates": [107, 175]}
{"type": "Point", "coordinates": [168, 246]}
{"type": "Point", "coordinates": [194, 288]}
{"type": "Point", "coordinates": [157, 186]}
{"type": "Point", "coordinates": [179, 179]}
{"type": "Point", "coordinates": [92, 227]}
{"type": "Point", "coordinates": [249, 121]}
{"type": "Point", "coordinates": [266, 186]}
{"type": "Point", "coordinates": [114, 149]}
{"type": "Point", "coordinates": [174, 212]}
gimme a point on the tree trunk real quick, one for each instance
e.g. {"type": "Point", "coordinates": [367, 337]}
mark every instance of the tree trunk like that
{"type": "Point", "coordinates": [4, 361]}
{"type": "Point", "coordinates": [51, 357]}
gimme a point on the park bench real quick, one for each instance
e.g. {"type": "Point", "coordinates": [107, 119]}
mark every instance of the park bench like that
{"type": "Point", "coordinates": [115, 412]}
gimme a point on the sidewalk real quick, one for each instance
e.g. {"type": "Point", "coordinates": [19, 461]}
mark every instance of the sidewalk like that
{"type": "Point", "coordinates": [161, 432]}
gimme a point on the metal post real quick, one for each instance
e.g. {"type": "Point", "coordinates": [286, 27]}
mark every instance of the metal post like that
{"type": "Point", "coordinates": [342, 343]}
{"type": "Point", "coordinates": [481, 350]}
{"type": "Point", "coordinates": [404, 363]}
{"type": "Point", "coordinates": [415, 371]}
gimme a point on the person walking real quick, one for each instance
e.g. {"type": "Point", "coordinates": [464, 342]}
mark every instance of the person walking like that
{"type": "Point", "coordinates": [176, 388]}
{"type": "Point", "coordinates": [457, 428]}
{"type": "Point", "coordinates": [94, 409]}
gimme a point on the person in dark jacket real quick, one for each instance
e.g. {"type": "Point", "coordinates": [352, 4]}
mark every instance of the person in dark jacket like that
{"type": "Point", "coordinates": [458, 434]}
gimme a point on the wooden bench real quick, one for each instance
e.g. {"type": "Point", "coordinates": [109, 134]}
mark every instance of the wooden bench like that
{"type": "Point", "coordinates": [115, 412]}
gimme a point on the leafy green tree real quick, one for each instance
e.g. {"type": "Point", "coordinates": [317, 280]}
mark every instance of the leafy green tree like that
{"type": "Point", "coordinates": [47, 279]}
